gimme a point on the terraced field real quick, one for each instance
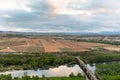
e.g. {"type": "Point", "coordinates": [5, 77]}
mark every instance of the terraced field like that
{"type": "Point", "coordinates": [44, 45]}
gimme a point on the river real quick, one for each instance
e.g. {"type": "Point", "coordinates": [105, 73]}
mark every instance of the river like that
{"type": "Point", "coordinates": [60, 71]}
{"type": "Point", "coordinates": [51, 72]}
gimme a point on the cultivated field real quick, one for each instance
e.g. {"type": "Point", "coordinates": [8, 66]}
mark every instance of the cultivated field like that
{"type": "Point", "coordinates": [44, 45]}
{"type": "Point", "coordinates": [112, 48]}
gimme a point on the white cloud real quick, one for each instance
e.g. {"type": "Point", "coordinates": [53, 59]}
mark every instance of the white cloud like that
{"type": "Point", "coordinates": [6, 28]}
{"type": "Point", "coordinates": [14, 5]}
{"type": "Point", "coordinates": [8, 4]}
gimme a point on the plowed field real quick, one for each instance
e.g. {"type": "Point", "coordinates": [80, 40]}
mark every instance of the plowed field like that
{"type": "Point", "coordinates": [44, 45]}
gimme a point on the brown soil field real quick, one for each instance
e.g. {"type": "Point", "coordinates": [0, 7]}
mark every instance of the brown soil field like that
{"type": "Point", "coordinates": [7, 50]}
{"type": "Point", "coordinates": [44, 45]}
{"type": "Point", "coordinates": [50, 46]}
{"type": "Point", "coordinates": [112, 48]}
{"type": "Point", "coordinates": [89, 45]}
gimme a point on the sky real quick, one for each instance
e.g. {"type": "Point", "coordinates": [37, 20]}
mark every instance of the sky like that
{"type": "Point", "coordinates": [60, 15]}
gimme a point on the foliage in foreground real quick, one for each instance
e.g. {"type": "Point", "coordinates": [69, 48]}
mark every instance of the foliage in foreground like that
{"type": "Point", "coordinates": [71, 77]}
{"type": "Point", "coordinates": [108, 71]}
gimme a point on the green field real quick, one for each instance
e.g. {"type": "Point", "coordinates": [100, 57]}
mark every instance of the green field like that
{"type": "Point", "coordinates": [66, 50]}
{"type": "Point", "coordinates": [35, 49]}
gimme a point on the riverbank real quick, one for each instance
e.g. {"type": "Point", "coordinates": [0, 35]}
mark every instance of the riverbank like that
{"type": "Point", "coordinates": [108, 71]}
{"type": "Point", "coordinates": [71, 77]}
{"type": "Point", "coordinates": [36, 61]}
{"type": "Point", "coordinates": [33, 61]}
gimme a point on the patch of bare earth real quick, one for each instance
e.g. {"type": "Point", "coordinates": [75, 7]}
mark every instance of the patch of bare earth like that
{"type": "Point", "coordinates": [89, 44]}
{"type": "Point", "coordinates": [50, 46]}
{"type": "Point", "coordinates": [8, 49]}
{"type": "Point", "coordinates": [46, 45]}
{"type": "Point", "coordinates": [112, 48]}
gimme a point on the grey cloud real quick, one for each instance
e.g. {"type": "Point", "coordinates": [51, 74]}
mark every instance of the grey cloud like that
{"type": "Point", "coordinates": [40, 17]}
{"type": "Point", "coordinates": [40, 7]}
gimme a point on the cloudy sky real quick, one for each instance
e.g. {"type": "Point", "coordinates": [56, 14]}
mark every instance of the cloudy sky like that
{"type": "Point", "coordinates": [60, 15]}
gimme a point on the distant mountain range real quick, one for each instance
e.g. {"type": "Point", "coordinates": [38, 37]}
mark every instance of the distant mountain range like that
{"type": "Point", "coordinates": [56, 33]}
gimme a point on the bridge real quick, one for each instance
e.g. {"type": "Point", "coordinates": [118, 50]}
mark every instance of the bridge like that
{"type": "Point", "coordinates": [88, 72]}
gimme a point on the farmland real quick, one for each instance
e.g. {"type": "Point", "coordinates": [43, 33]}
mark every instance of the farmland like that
{"type": "Point", "coordinates": [44, 45]}
{"type": "Point", "coordinates": [48, 51]}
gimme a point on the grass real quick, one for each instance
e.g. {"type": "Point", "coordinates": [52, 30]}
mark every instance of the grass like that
{"type": "Point", "coordinates": [66, 49]}
{"type": "Point", "coordinates": [8, 77]}
{"type": "Point", "coordinates": [67, 78]}
{"type": "Point", "coordinates": [35, 49]}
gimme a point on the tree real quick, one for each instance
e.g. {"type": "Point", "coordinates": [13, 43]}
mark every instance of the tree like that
{"type": "Point", "coordinates": [71, 75]}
